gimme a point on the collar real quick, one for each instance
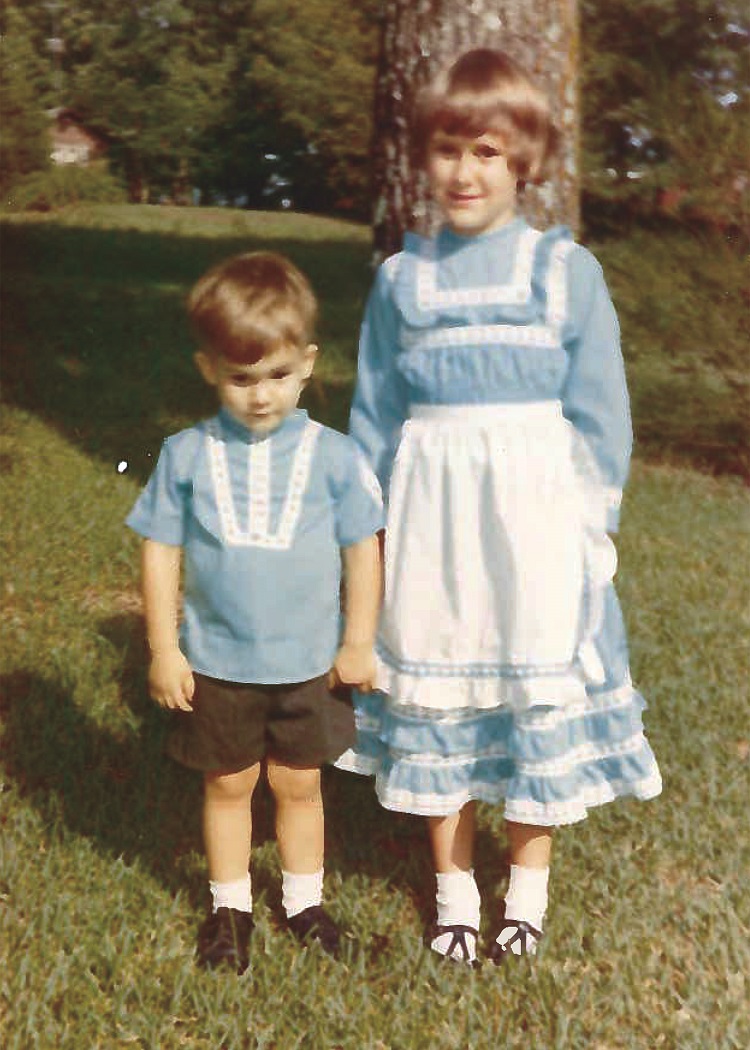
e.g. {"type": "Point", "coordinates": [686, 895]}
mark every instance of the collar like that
{"type": "Point", "coordinates": [508, 230]}
{"type": "Point", "coordinates": [290, 424]}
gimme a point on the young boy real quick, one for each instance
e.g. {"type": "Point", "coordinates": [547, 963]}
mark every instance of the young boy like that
{"type": "Point", "coordinates": [264, 503]}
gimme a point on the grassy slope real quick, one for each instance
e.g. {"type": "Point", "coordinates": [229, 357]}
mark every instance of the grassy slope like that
{"type": "Point", "coordinates": [101, 874]}
{"type": "Point", "coordinates": [684, 306]}
{"type": "Point", "coordinates": [104, 317]}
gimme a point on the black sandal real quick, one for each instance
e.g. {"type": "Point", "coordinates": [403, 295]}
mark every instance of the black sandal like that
{"type": "Point", "coordinates": [524, 931]}
{"type": "Point", "coordinates": [458, 940]}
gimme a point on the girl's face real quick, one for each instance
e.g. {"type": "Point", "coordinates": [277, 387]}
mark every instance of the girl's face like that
{"type": "Point", "coordinates": [471, 181]}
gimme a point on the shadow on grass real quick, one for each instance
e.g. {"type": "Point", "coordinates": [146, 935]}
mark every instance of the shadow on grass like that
{"type": "Point", "coordinates": [114, 788]}
{"type": "Point", "coordinates": [117, 788]}
{"type": "Point", "coordinates": [96, 341]}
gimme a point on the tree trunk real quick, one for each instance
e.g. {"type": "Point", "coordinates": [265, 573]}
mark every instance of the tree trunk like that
{"type": "Point", "coordinates": [418, 37]}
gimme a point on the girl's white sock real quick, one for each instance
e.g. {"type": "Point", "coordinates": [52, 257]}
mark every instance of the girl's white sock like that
{"type": "Point", "coordinates": [237, 895]}
{"type": "Point", "coordinates": [300, 891]}
{"type": "Point", "coordinates": [458, 904]}
{"type": "Point", "coordinates": [526, 900]}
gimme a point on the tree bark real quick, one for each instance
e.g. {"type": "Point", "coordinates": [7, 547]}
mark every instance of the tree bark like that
{"type": "Point", "coordinates": [418, 37]}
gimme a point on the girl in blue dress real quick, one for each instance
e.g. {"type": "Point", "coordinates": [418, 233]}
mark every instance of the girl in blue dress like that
{"type": "Point", "coordinates": [491, 402]}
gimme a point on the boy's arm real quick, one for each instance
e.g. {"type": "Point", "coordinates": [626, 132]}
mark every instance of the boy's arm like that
{"type": "Point", "coordinates": [355, 660]}
{"type": "Point", "coordinates": [170, 678]}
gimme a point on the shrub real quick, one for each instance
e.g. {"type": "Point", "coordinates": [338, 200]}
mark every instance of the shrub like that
{"type": "Point", "coordinates": [64, 185]}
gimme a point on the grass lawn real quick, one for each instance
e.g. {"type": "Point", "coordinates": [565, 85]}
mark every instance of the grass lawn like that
{"type": "Point", "coordinates": [102, 879]}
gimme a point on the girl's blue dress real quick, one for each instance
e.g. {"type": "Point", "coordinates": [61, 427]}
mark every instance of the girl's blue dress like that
{"type": "Point", "coordinates": [491, 403]}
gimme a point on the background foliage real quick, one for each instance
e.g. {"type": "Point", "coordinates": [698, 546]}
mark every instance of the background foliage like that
{"type": "Point", "coordinates": [23, 130]}
{"type": "Point", "coordinates": [264, 102]}
{"type": "Point", "coordinates": [244, 102]}
{"type": "Point", "coordinates": [666, 109]}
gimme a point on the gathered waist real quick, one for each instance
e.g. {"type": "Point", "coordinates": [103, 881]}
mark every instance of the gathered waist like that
{"type": "Point", "coordinates": [524, 412]}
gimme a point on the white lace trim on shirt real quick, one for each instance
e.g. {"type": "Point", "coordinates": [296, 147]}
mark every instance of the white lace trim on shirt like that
{"type": "Point", "coordinates": [258, 533]}
{"type": "Point", "coordinates": [557, 285]}
{"type": "Point", "coordinates": [517, 290]}
{"type": "Point", "coordinates": [547, 335]}
{"type": "Point", "coordinates": [481, 335]}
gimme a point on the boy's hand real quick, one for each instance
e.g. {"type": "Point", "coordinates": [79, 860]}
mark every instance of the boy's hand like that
{"type": "Point", "coordinates": [170, 680]}
{"type": "Point", "coordinates": [355, 666]}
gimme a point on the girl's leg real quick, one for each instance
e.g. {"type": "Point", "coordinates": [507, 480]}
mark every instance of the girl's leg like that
{"type": "Point", "coordinates": [530, 846]}
{"type": "Point", "coordinates": [452, 840]}
{"type": "Point", "coordinates": [526, 899]}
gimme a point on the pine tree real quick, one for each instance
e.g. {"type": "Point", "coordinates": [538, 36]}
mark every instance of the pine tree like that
{"type": "Point", "coordinates": [24, 129]}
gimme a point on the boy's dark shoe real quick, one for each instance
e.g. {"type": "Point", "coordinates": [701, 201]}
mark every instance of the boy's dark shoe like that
{"type": "Point", "coordinates": [224, 938]}
{"type": "Point", "coordinates": [315, 924]}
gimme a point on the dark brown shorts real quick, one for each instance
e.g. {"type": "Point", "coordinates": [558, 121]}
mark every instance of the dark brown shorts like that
{"type": "Point", "coordinates": [233, 725]}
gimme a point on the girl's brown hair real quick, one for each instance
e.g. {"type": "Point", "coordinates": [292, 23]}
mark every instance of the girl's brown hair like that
{"type": "Point", "coordinates": [250, 305]}
{"type": "Point", "coordinates": [486, 91]}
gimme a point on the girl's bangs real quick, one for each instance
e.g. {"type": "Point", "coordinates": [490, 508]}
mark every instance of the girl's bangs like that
{"type": "Point", "coordinates": [469, 117]}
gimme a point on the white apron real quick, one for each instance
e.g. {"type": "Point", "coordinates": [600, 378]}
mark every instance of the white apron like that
{"type": "Point", "coordinates": [485, 560]}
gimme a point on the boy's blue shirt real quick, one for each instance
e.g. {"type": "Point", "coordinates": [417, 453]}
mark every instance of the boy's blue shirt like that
{"type": "Point", "coordinates": [261, 520]}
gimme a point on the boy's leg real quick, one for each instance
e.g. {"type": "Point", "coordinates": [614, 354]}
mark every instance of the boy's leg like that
{"type": "Point", "coordinates": [526, 898]}
{"type": "Point", "coordinates": [227, 823]}
{"type": "Point", "coordinates": [227, 834]}
{"type": "Point", "coordinates": [458, 906]}
{"type": "Point", "coordinates": [300, 837]}
{"type": "Point", "coordinates": [299, 817]}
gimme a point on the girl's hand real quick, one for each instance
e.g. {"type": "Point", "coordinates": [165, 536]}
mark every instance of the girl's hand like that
{"type": "Point", "coordinates": [170, 680]}
{"type": "Point", "coordinates": [354, 666]}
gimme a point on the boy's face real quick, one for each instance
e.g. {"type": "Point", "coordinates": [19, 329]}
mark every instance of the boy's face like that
{"type": "Point", "coordinates": [471, 181]}
{"type": "Point", "coordinates": [261, 395]}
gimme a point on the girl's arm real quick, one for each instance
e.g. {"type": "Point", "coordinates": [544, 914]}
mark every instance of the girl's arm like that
{"type": "Point", "coordinates": [380, 403]}
{"type": "Point", "coordinates": [355, 660]}
{"type": "Point", "coordinates": [595, 397]}
{"type": "Point", "coordinates": [170, 678]}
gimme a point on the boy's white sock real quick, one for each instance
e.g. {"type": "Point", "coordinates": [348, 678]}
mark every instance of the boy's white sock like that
{"type": "Point", "coordinates": [526, 900]}
{"type": "Point", "coordinates": [300, 891]}
{"type": "Point", "coordinates": [237, 894]}
{"type": "Point", "coordinates": [458, 904]}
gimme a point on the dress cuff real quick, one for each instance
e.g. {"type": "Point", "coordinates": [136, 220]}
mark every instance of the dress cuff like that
{"type": "Point", "coordinates": [612, 501]}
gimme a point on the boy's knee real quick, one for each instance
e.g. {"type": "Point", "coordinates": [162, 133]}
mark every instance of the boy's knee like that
{"type": "Point", "coordinates": [289, 784]}
{"type": "Point", "coordinates": [232, 787]}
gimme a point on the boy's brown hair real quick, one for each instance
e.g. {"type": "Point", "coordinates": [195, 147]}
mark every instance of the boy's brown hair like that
{"type": "Point", "coordinates": [251, 304]}
{"type": "Point", "coordinates": [486, 91]}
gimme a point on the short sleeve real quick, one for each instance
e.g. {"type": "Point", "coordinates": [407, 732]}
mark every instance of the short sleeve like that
{"type": "Point", "coordinates": [159, 513]}
{"type": "Point", "coordinates": [358, 499]}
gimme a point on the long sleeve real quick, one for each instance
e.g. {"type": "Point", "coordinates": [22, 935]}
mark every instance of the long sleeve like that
{"type": "Point", "coordinates": [595, 396]}
{"type": "Point", "coordinates": [380, 404]}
